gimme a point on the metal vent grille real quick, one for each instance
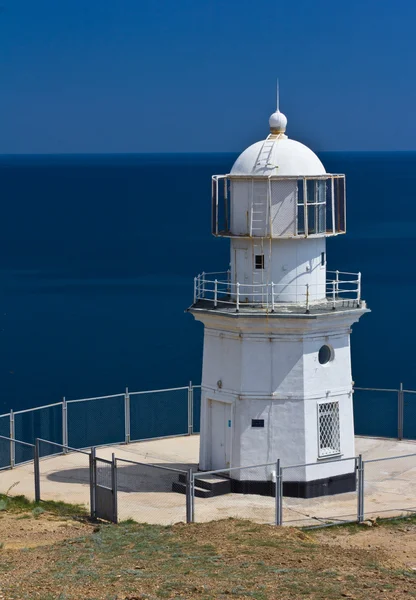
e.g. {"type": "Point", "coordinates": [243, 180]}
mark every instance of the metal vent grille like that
{"type": "Point", "coordinates": [328, 425]}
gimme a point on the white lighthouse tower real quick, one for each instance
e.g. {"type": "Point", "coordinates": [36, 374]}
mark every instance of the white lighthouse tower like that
{"type": "Point", "coordinates": [276, 379]}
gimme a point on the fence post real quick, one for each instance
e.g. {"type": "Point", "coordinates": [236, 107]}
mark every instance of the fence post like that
{"type": "Point", "coordinates": [114, 486]}
{"type": "Point", "coordinates": [359, 290]}
{"type": "Point", "coordinates": [190, 408]}
{"type": "Point", "coordinates": [195, 294]}
{"type": "Point", "coordinates": [202, 291]}
{"type": "Point", "coordinates": [64, 426]}
{"type": "Point", "coordinates": [92, 482]}
{"type": "Point", "coordinates": [237, 309]}
{"type": "Point", "coordinates": [307, 299]}
{"type": "Point", "coordinates": [400, 412]}
{"type": "Point", "coordinates": [127, 416]}
{"type": "Point", "coordinates": [215, 293]}
{"type": "Point", "coordinates": [189, 497]}
{"type": "Point", "coordinates": [272, 296]}
{"type": "Point", "coordinates": [36, 468]}
{"type": "Point", "coordinates": [279, 494]}
{"type": "Point", "coordinates": [333, 295]}
{"type": "Point", "coordinates": [360, 496]}
{"type": "Point", "coordinates": [12, 438]}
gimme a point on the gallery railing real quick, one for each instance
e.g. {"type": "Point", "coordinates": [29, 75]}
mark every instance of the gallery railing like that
{"type": "Point", "coordinates": [341, 288]}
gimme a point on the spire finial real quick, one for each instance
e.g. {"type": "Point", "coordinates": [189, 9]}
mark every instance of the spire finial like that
{"type": "Point", "coordinates": [277, 120]}
{"type": "Point", "coordinates": [277, 95]}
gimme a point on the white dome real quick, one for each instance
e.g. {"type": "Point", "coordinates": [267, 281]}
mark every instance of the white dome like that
{"type": "Point", "coordinates": [278, 122]}
{"type": "Point", "coordinates": [279, 156]}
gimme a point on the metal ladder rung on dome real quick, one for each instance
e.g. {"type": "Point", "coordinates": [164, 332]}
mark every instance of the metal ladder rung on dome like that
{"type": "Point", "coordinates": [266, 150]}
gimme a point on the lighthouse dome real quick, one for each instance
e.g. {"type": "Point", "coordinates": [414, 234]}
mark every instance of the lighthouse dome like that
{"type": "Point", "coordinates": [278, 155]}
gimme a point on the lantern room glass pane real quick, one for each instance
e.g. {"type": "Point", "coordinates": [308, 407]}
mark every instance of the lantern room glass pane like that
{"type": "Point", "coordinates": [321, 190]}
{"type": "Point", "coordinates": [311, 219]}
{"type": "Point", "coordinates": [310, 191]}
{"type": "Point", "coordinates": [339, 187]}
{"type": "Point", "coordinates": [300, 208]}
{"type": "Point", "coordinates": [320, 209]}
{"type": "Point", "coordinates": [300, 192]}
{"type": "Point", "coordinates": [329, 215]}
{"type": "Point", "coordinates": [214, 206]}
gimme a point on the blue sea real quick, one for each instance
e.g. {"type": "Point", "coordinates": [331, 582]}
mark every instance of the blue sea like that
{"type": "Point", "coordinates": [98, 255]}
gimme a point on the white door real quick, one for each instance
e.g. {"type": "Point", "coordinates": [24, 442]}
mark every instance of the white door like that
{"type": "Point", "coordinates": [220, 420]}
{"type": "Point", "coordinates": [242, 268]}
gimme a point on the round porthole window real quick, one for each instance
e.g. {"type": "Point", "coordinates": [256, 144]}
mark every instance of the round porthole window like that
{"type": "Point", "coordinates": [325, 354]}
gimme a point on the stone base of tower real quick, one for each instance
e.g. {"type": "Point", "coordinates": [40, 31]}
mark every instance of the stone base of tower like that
{"type": "Point", "coordinates": [329, 486]}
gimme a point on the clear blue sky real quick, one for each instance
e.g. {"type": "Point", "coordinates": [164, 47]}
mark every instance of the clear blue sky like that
{"type": "Point", "coordinates": [199, 75]}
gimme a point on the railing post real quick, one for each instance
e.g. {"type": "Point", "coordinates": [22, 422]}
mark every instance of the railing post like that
{"type": "Point", "coordinates": [307, 299]}
{"type": "Point", "coordinates": [92, 482]}
{"type": "Point", "coordinates": [272, 296]}
{"type": "Point", "coordinates": [202, 289]}
{"type": "Point", "coordinates": [64, 426]}
{"type": "Point", "coordinates": [337, 282]}
{"type": "Point", "coordinates": [360, 495]}
{"type": "Point", "coordinates": [334, 283]}
{"type": "Point", "coordinates": [229, 282]}
{"type": "Point", "coordinates": [359, 290]}
{"type": "Point", "coordinates": [195, 288]}
{"type": "Point", "coordinates": [400, 412]}
{"type": "Point", "coordinates": [12, 444]}
{"type": "Point", "coordinates": [237, 309]}
{"type": "Point", "coordinates": [279, 494]}
{"type": "Point", "coordinates": [114, 486]}
{"type": "Point", "coordinates": [192, 496]}
{"type": "Point", "coordinates": [127, 416]}
{"type": "Point", "coordinates": [189, 497]}
{"type": "Point", "coordinates": [36, 468]}
{"type": "Point", "coordinates": [215, 293]}
{"type": "Point", "coordinates": [190, 409]}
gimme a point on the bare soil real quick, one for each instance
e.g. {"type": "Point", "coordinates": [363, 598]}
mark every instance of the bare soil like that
{"type": "Point", "coordinates": [50, 557]}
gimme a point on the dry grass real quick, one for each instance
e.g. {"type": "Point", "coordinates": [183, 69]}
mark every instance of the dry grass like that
{"type": "Point", "coordinates": [223, 559]}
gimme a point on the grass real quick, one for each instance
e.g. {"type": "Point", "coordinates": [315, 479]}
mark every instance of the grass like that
{"type": "Point", "coordinates": [21, 504]}
{"type": "Point", "coordinates": [218, 560]}
{"type": "Point", "coordinates": [401, 521]}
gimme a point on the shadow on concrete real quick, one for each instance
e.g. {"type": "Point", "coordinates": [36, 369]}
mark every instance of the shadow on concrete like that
{"type": "Point", "coordinates": [130, 478]}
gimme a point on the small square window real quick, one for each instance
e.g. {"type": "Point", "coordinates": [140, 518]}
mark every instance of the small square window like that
{"type": "Point", "coordinates": [328, 428]}
{"type": "Point", "coordinates": [259, 261]}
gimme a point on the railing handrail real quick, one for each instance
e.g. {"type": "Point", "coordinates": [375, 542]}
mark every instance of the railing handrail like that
{"type": "Point", "coordinates": [155, 465]}
{"type": "Point", "coordinates": [63, 446]}
{"type": "Point", "coordinates": [15, 441]}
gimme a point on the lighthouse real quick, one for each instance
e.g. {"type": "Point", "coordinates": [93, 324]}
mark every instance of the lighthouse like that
{"type": "Point", "coordinates": [276, 377]}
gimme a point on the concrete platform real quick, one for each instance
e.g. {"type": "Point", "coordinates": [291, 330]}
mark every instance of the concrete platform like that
{"type": "Point", "coordinates": [145, 492]}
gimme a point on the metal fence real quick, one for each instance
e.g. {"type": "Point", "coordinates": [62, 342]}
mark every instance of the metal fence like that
{"type": "Point", "coordinates": [145, 493]}
{"type": "Point", "coordinates": [103, 420]}
{"type": "Point", "coordinates": [135, 416]}
{"type": "Point", "coordinates": [121, 489]}
{"type": "Point", "coordinates": [148, 491]}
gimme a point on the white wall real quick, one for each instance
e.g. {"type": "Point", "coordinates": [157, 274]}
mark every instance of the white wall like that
{"type": "Point", "coordinates": [289, 264]}
{"type": "Point", "coordinates": [270, 370]}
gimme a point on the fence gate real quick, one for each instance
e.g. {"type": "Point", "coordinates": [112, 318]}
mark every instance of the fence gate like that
{"type": "Point", "coordinates": [103, 488]}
